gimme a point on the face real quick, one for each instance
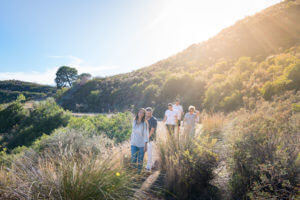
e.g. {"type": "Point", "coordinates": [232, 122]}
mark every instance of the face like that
{"type": "Point", "coordinates": [192, 110]}
{"type": "Point", "coordinates": [177, 102]}
{"type": "Point", "coordinates": [141, 114]}
{"type": "Point", "coordinates": [148, 114]}
{"type": "Point", "coordinates": [170, 107]}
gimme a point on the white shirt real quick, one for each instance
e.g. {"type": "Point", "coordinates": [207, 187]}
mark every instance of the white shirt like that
{"type": "Point", "coordinates": [179, 110]}
{"type": "Point", "coordinates": [171, 117]}
{"type": "Point", "coordinates": [139, 134]}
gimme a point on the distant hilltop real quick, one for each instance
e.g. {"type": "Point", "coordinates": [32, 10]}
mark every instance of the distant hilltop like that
{"type": "Point", "coordinates": [11, 89]}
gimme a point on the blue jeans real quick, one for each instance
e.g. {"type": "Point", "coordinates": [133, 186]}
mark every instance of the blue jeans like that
{"type": "Point", "coordinates": [137, 157]}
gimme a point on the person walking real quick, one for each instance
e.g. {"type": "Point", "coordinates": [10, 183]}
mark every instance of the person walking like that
{"type": "Point", "coordinates": [152, 121]}
{"type": "Point", "coordinates": [170, 119]}
{"type": "Point", "coordinates": [189, 121]}
{"type": "Point", "coordinates": [178, 108]}
{"type": "Point", "coordinates": [139, 139]}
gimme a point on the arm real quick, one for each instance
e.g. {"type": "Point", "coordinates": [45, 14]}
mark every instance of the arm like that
{"type": "Point", "coordinates": [182, 113]}
{"type": "Point", "coordinates": [184, 120]}
{"type": "Point", "coordinates": [153, 128]}
{"type": "Point", "coordinates": [151, 131]}
{"type": "Point", "coordinates": [198, 116]}
{"type": "Point", "coordinates": [146, 135]}
{"type": "Point", "coordinates": [165, 118]}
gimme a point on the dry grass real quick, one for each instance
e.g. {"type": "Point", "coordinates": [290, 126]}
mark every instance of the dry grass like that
{"type": "Point", "coordinates": [187, 165]}
{"type": "Point", "coordinates": [213, 124]}
{"type": "Point", "coordinates": [70, 166]}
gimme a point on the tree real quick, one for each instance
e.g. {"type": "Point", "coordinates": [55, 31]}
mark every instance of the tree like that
{"type": "Point", "coordinates": [65, 76]}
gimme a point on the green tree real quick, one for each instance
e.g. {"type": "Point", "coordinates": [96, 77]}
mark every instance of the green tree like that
{"type": "Point", "coordinates": [65, 76]}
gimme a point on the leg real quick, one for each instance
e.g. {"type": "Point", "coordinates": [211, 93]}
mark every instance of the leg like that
{"type": "Point", "coordinates": [140, 158]}
{"type": "Point", "coordinates": [172, 129]}
{"type": "Point", "coordinates": [178, 124]}
{"type": "Point", "coordinates": [134, 156]}
{"type": "Point", "coordinates": [169, 129]}
{"type": "Point", "coordinates": [149, 161]}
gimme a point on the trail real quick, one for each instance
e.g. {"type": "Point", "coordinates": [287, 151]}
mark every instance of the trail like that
{"type": "Point", "coordinates": [144, 192]}
{"type": "Point", "coordinates": [222, 174]}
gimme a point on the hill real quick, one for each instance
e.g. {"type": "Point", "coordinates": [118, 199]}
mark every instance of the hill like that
{"type": "Point", "coordinates": [256, 57]}
{"type": "Point", "coordinates": [11, 89]}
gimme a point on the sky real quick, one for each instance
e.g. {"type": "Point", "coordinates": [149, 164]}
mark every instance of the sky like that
{"type": "Point", "coordinates": [106, 37]}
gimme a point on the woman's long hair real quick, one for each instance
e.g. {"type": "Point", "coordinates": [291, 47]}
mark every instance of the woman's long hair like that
{"type": "Point", "coordinates": [137, 115]}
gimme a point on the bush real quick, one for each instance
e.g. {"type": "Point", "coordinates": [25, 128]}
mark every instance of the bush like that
{"type": "Point", "coordinates": [265, 149]}
{"type": "Point", "coordinates": [69, 165]}
{"type": "Point", "coordinates": [43, 119]}
{"type": "Point", "coordinates": [116, 126]}
{"type": "Point", "coordinates": [11, 116]}
{"type": "Point", "coordinates": [188, 166]}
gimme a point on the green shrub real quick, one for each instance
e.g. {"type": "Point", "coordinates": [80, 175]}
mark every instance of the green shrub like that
{"type": "Point", "coordinates": [115, 126]}
{"type": "Point", "coordinates": [265, 149]}
{"type": "Point", "coordinates": [11, 116]}
{"type": "Point", "coordinates": [43, 119]}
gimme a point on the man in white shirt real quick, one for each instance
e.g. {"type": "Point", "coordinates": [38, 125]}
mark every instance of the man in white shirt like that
{"type": "Point", "coordinates": [178, 108]}
{"type": "Point", "coordinates": [170, 119]}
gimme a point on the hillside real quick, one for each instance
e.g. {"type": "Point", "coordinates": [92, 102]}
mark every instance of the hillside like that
{"type": "Point", "coordinates": [242, 62]}
{"type": "Point", "coordinates": [10, 90]}
{"type": "Point", "coordinates": [245, 81]}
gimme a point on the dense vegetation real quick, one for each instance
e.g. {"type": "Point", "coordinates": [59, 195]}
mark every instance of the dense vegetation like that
{"type": "Point", "coordinates": [246, 80]}
{"type": "Point", "coordinates": [258, 56]}
{"type": "Point", "coordinates": [20, 126]}
{"type": "Point", "coordinates": [11, 89]}
{"type": "Point", "coordinates": [264, 145]}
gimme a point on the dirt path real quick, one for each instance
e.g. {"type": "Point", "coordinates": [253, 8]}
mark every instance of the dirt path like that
{"type": "Point", "coordinates": [222, 174]}
{"type": "Point", "coordinates": [145, 190]}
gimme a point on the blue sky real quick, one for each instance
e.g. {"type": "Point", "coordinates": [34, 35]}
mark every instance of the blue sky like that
{"type": "Point", "coordinates": [106, 37]}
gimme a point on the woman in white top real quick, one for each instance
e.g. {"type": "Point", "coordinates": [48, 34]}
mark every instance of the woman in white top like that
{"type": "Point", "coordinates": [170, 119]}
{"type": "Point", "coordinates": [139, 139]}
{"type": "Point", "coordinates": [189, 121]}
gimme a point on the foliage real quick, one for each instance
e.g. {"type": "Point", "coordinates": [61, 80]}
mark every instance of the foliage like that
{"type": "Point", "coordinates": [220, 74]}
{"type": "Point", "coordinates": [188, 166]}
{"type": "Point", "coordinates": [265, 151]}
{"type": "Point", "coordinates": [23, 127]}
{"type": "Point", "coordinates": [11, 116]}
{"type": "Point", "coordinates": [65, 76]}
{"type": "Point", "coordinates": [69, 165]}
{"type": "Point", "coordinates": [212, 124]}
{"type": "Point", "coordinates": [116, 126]}
{"type": "Point", "coordinates": [11, 89]}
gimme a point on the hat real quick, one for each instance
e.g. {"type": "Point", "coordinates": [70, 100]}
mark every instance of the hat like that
{"type": "Point", "coordinates": [149, 109]}
{"type": "Point", "coordinates": [169, 104]}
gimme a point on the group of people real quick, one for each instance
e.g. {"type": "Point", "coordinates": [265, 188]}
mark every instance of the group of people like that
{"type": "Point", "coordinates": [144, 130]}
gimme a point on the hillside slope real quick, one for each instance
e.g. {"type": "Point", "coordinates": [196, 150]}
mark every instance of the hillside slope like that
{"type": "Point", "coordinates": [223, 73]}
{"type": "Point", "coordinates": [11, 89]}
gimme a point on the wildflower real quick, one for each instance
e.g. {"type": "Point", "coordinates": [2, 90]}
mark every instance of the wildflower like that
{"type": "Point", "coordinates": [118, 174]}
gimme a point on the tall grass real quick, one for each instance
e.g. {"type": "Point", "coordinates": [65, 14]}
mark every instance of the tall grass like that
{"type": "Point", "coordinates": [187, 165]}
{"type": "Point", "coordinates": [212, 124]}
{"type": "Point", "coordinates": [69, 165]}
